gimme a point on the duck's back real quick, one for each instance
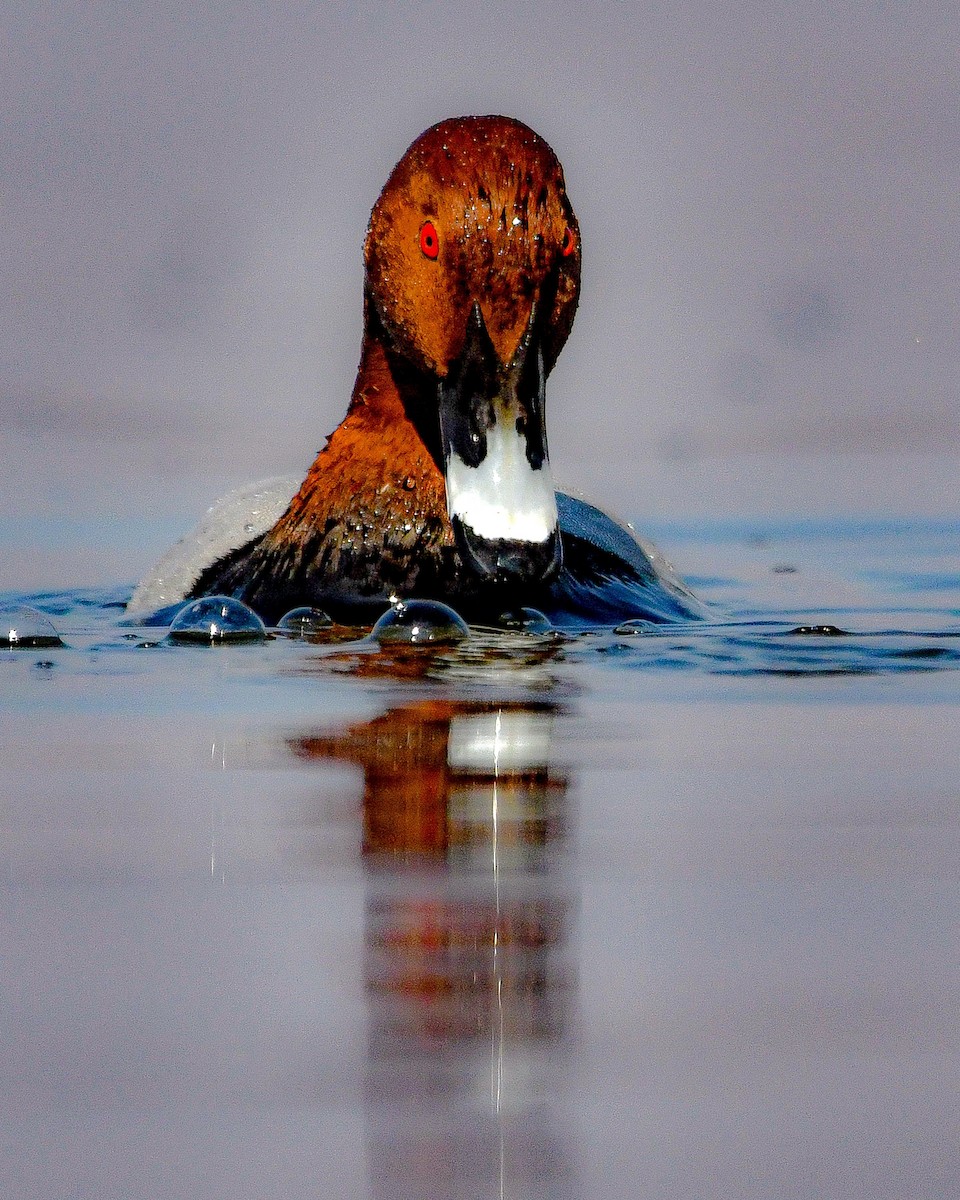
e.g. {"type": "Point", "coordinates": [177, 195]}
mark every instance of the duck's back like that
{"type": "Point", "coordinates": [610, 575]}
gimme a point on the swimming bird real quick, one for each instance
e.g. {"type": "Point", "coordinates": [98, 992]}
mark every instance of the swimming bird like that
{"type": "Point", "coordinates": [437, 483]}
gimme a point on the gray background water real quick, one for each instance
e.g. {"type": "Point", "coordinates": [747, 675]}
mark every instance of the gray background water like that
{"type": "Point", "coordinates": [769, 201]}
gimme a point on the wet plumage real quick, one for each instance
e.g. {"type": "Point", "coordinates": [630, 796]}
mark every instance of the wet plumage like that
{"type": "Point", "coordinates": [437, 482]}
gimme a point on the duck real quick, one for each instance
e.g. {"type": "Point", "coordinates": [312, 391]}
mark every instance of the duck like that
{"type": "Point", "coordinates": [437, 482]}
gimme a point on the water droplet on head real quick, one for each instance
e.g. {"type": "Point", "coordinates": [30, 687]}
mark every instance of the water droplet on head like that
{"type": "Point", "coordinates": [419, 623]}
{"type": "Point", "coordinates": [216, 619]}
{"type": "Point", "coordinates": [303, 622]}
{"type": "Point", "coordinates": [26, 628]}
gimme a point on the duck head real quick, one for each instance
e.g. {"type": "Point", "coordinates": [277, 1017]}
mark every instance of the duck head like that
{"type": "Point", "coordinates": [472, 262]}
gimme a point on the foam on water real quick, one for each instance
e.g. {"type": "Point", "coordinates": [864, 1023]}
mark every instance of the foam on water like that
{"type": "Point", "coordinates": [230, 523]}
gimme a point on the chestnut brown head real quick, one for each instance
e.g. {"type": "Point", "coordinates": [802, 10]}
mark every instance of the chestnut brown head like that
{"type": "Point", "coordinates": [476, 211]}
{"type": "Point", "coordinates": [473, 273]}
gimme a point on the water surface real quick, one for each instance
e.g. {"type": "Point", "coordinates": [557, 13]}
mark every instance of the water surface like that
{"type": "Point", "coordinates": [651, 912]}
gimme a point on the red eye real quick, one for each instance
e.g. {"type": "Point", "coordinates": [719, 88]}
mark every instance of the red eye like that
{"type": "Point", "coordinates": [429, 242]}
{"type": "Point", "coordinates": [569, 243]}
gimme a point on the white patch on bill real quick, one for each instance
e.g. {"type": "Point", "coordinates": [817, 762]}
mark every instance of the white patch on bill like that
{"type": "Point", "coordinates": [503, 498]}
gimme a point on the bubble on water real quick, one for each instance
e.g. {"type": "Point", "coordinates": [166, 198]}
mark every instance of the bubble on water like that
{"type": "Point", "coordinates": [26, 628]}
{"type": "Point", "coordinates": [819, 631]}
{"type": "Point", "coordinates": [527, 620]}
{"type": "Point", "coordinates": [216, 619]}
{"type": "Point", "coordinates": [303, 622]}
{"type": "Point", "coordinates": [635, 627]}
{"type": "Point", "coordinates": [419, 623]}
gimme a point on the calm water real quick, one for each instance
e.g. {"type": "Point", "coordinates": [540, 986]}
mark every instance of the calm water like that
{"type": "Point", "coordinates": [665, 914]}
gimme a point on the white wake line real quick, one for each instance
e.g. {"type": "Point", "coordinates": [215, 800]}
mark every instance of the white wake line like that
{"type": "Point", "coordinates": [230, 523]}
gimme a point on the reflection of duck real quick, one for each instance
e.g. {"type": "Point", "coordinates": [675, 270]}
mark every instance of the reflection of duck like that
{"type": "Point", "coordinates": [467, 786]}
{"type": "Point", "coordinates": [437, 482]}
{"type": "Point", "coordinates": [437, 771]}
{"type": "Point", "coordinates": [466, 964]}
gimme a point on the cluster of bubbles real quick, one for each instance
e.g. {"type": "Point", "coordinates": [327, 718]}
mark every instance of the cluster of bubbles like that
{"type": "Point", "coordinates": [218, 619]}
{"type": "Point", "coordinates": [221, 620]}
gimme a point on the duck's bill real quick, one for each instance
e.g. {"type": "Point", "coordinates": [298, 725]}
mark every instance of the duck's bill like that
{"type": "Point", "coordinates": [500, 493]}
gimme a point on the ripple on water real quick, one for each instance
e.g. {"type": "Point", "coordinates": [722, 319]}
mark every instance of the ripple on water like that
{"type": "Point", "coordinates": [809, 650]}
{"type": "Point", "coordinates": [876, 635]}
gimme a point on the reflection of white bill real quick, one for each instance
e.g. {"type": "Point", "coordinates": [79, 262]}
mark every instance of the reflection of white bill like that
{"type": "Point", "coordinates": [499, 743]}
